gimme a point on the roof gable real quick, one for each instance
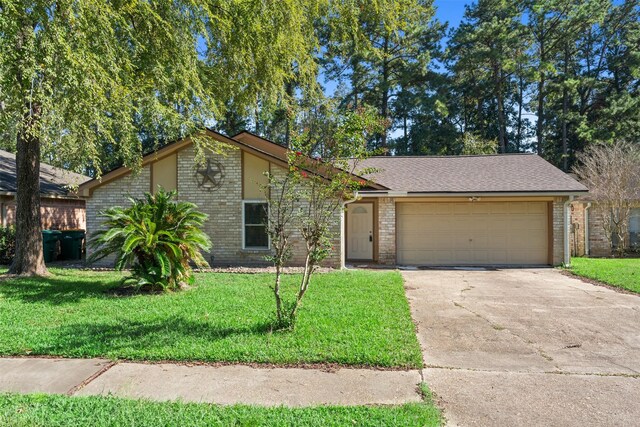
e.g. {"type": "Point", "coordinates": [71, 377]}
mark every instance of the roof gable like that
{"type": "Point", "coordinates": [169, 149]}
{"type": "Point", "coordinates": [244, 140]}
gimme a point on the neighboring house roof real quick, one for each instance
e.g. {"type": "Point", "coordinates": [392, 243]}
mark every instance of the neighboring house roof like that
{"type": "Point", "coordinates": [505, 173]}
{"type": "Point", "coordinates": [54, 182]}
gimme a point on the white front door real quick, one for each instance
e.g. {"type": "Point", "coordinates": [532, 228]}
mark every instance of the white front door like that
{"type": "Point", "coordinates": [360, 231]}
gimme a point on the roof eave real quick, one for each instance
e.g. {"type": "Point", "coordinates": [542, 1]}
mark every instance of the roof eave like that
{"type": "Point", "coordinates": [400, 194]}
{"type": "Point", "coordinates": [69, 196]}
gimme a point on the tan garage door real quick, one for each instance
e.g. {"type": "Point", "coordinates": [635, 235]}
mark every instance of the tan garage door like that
{"type": "Point", "coordinates": [472, 233]}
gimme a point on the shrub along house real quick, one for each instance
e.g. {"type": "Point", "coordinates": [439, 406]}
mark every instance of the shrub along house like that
{"type": "Point", "coordinates": [60, 208]}
{"type": "Point", "coordinates": [465, 210]}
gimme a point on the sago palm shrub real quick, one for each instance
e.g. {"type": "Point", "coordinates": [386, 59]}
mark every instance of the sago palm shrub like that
{"type": "Point", "coordinates": [157, 237]}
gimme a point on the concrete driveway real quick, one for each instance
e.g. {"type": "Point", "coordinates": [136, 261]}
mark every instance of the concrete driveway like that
{"type": "Point", "coordinates": [527, 347]}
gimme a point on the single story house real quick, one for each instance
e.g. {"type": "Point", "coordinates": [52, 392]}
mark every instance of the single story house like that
{"type": "Point", "coordinates": [587, 232]}
{"type": "Point", "coordinates": [508, 210]}
{"type": "Point", "coordinates": [60, 208]}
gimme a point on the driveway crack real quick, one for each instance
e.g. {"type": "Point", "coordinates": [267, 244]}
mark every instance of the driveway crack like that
{"type": "Point", "coordinates": [498, 327]}
{"type": "Point", "coordinates": [92, 377]}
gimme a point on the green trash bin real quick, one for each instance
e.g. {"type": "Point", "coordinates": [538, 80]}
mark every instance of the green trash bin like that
{"type": "Point", "coordinates": [49, 241]}
{"type": "Point", "coordinates": [71, 244]}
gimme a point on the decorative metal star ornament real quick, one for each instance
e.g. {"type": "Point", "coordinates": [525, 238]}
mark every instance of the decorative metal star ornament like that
{"type": "Point", "coordinates": [210, 177]}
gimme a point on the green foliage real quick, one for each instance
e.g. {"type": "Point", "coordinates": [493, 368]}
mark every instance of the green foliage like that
{"type": "Point", "coordinates": [621, 273]}
{"type": "Point", "coordinates": [7, 244]}
{"type": "Point", "coordinates": [485, 52]}
{"type": "Point", "coordinates": [92, 79]}
{"type": "Point", "coordinates": [475, 145]}
{"type": "Point", "coordinates": [92, 84]}
{"type": "Point", "coordinates": [351, 318]}
{"type": "Point", "coordinates": [157, 237]}
{"type": "Point", "coordinates": [382, 54]}
{"type": "Point", "coordinates": [62, 411]}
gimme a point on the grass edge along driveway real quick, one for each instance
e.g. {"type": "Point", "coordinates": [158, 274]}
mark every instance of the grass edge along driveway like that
{"type": "Point", "coordinates": [623, 273]}
{"type": "Point", "coordinates": [357, 318]}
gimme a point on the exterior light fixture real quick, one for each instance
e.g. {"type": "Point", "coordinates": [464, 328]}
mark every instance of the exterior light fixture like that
{"type": "Point", "coordinates": [474, 199]}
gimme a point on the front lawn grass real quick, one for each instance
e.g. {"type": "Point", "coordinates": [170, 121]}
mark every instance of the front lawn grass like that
{"type": "Point", "coordinates": [54, 411]}
{"type": "Point", "coordinates": [619, 272]}
{"type": "Point", "coordinates": [350, 317]}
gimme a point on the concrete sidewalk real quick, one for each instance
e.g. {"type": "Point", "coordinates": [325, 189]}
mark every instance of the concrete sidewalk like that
{"type": "Point", "coordinates": [225, 385]}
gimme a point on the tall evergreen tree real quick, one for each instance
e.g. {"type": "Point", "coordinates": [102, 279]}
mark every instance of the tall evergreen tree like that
{"type": "Point", "coordinates": [486, 49]}
{"type": "Point", "coordinates": [554, 25]}
{"type": "Point", "coordinates": [390, 47]}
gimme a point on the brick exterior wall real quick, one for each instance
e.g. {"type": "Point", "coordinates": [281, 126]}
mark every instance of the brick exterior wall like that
{"type": "Point", "coordinates": [599, 245]}
{"type": "Point", "coordinates": [223, 205]}
{"type": "Point", "coordinates": [387, 231]}
{"type": "Point", "coordinates": [577, 229]}
{"type": "Point", "coordinates": [114, 193]}
{"type": "Point", "coordinates": [558, 229]}
{"type": "Point", "coordinates": [59, 214]}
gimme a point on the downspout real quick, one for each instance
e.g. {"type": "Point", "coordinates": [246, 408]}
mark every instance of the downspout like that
{"type": "Point", "coordinates": [587, 248]}
{"type": "Point", "coordinates": [343, 230]}
{"type": "Point", "coordinates": [567, 226]}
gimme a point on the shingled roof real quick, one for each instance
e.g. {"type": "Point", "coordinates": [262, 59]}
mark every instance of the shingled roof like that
{"type": "Point", "coordinates": [505, 173]}
{"type": "Point", "coordinates": [53, 181]}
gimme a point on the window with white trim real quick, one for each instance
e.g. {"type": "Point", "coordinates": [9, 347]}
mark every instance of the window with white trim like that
{"type": "Point", "coordinates": [254, 225]}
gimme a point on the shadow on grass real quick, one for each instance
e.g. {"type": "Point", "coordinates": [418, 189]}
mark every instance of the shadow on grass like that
{"type": "Point", "coordinates": [160, 339]}
{"type": "Point", "coordinates": [57, 289]}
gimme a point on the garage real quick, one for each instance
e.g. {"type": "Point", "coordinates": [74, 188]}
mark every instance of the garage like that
{"type": "Point", "coordinates": [473, 233]}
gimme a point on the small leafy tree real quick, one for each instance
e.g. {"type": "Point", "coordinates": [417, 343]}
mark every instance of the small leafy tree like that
{"type": "Point", "coordinates": [612, 174]}
{"type": "Point", "coordinates": [283, 198]}
{"type": "Point", "coordinates": [321, 177]}
{"type": "Point", "coordinates": [157, 237]}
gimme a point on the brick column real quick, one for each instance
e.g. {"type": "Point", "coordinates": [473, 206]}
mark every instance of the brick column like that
{"type": "Point", "coordinates": [386, 231]}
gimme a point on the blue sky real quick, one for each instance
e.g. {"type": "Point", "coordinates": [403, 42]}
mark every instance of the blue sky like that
{"type": "Point", "coordinates": [450, 10]}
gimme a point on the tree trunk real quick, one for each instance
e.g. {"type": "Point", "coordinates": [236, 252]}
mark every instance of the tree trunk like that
{"type": "Point", "coordinates": [384, 107]}
{"type": "Point", "coordinates": [565, 143]}
{"type": "Point", "coordinates": [355, 81]}
{"type": "Point", "coordinates": [541, 81]}
{"type": "Point", "coordinates": [405, 134]}
{"type": "Point", "coordinates": [501, 117]}
{"type": "Point", "coordinates": [276, 293]}
{"type": "Point", "coordinates": [540, 114]}
{"type": "Point", "coordinates": [29, 260]}
{"type": "Point", "coordinates": [520, 100]}
{"type": "Point", "coordinates": [288, 115]}
{"type": "Point", "coordinates": [304, 283]}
